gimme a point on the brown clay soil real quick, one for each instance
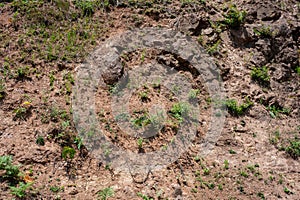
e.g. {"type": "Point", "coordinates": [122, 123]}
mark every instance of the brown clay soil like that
{"type": "Point", "coordinates": [255, 157]}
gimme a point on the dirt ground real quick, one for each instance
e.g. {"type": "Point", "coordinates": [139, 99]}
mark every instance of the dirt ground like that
{"type": "Point", "coordinates": [255, 45]}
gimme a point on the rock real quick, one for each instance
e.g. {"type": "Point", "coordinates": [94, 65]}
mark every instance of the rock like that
{"type": "Point", "coordinates": [241, 35]}
{"type": "Point", "coordinates": [192, 24]}
{"type": "Point", "coordinates": [73, 191]}
{"type": "Point", "coordinates": [177, 190]}
{"type": "Point", "coordinates": [281, 72]}
{"type": "Point", "coordinates": [288, 55]}
{"type": "Point", "coordinates": [115, 70]}
{"type": "Point", "coordinates": [258, 59]}
{"type": "Point", "coordinates": [264, 46]}
{"type": "Point", "coordinates": [268, 12]}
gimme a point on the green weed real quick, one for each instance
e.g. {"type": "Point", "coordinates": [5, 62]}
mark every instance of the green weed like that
{"type": "Point", "coordinates": [11, 171]}
{"type": "Point", "coordinates": [236, 109]}
{"type": "Point", "coordinates": [106, 193]}
{"type": "Point", "coordinates": [140, 143]}
{"type": "Point", "coordinates": [264, 32]}
{"type": "Point", "coordinates": [21, 112]}
{"type": "Point", "coordinates": [293, 149]}
{"type": "Point", "coordinates": [226, 164]}
{"type": "Point", "coordinates": [68, 152]}
{"type": "Point", "coordinates": [40, 141]}
{"type": "Point", "coordinates": [193, 93]}
{"type": "Point", "coordinates": [275, 139]}
{"type": "Point", "coordinates": [22, 72]}
{"type": "Point", "coordinates": [51, 78]}
{"type": "Point", "coordinates": [2, 89]}
{"type": "Point", "coordinates": [274, 110]}
{"type": "Point", "coordinates": [214, 48]}
{"type": "Point", "coordinates": [244, 174]}
{"type": "Point", "coordinates": [179, 111]}
{"type": "Point", "coordinates": [78, 142]}
{"type": "Point", "coordinates": [234, 17]}
{"type": "Point", "coordinates": [261, 75]}
{"type": "Point", "coordinates": [20, 191]}
{"type": "Point", "coordinates": [56, 189]}
{"type": "Point", "coordinates": [141, 121]}
{"type": "Point", "coordinates": [287, 191]}
{"type": "Point", "coordinates": [144, 96]}
{"type": "Point", "coordinates": [261, 195]}
{"type": "Point", "coordinates": [144, 197]}
{"type": "Point", "coordinates": [297, 70]}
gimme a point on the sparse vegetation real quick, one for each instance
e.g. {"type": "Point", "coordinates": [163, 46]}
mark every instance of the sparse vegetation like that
{"type": "Point", "coordinates": [274, 110]}
{"type": "Point", "coordinates": [226, 164]}
{"type": "Point", "coordinates": [193, 93]}
{"type": "Point", "coordinates": [235, 109]}
{"type": "Point", "coordinates": [56, 189]}
{"type": "Point", "coordinates": [293, 149]}
{"type": "Point", "coordinates": [42, 44]}
{"type": "Point", "coordinates": [264, 31]}
{"type": "Point", "coordinates": [40, 141]}
{"type": "Point", "coordinates": [179, 111]}
{"type": "Point", "coordinates": [20, 191]}
{"type": "Point", "coordinates": [297, 70]}
{"type": "Point", "coordinates": [68, 152]}
{"type": "Point", "coordinates": [144, 197]}
{"type": "Point", "coordinates": [234, 17]}
{"type": "Point", "coordinates": [106, 193]}
{"type": "Point", "coordinates": [2, 89]}
{"type": "Point", "coordinates": [11, 171]}
{"type": "Point", "coordinates": [261, 75]}
{"type": "Point", "coordinates": [140, 143]}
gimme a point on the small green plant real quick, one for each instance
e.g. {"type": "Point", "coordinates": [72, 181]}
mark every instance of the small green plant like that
{"type": "Point", "coordinates": [193, 94]}
{"type": "Point", "coordinates": [274, 110]}
{"type": "Point", "coordinates": [220, 187]}
{"type": "Point", "coordinates": [231, 151]}
{"type": "Point", "coordinates": [144, 197]}
{"type": "Point", "coordinates": [51, 78]}
{"type": "Point", "coordinates": [287, 191]}
{"type": "Point", "coordinates": [261, 75]}
{"type": "Point", "coordinates": [210, 185]}
{"type": "Point", "coordinates": [179, 111]}
{"type": "Point", "coordinates": [78, 142]}
{"type": "Point", "coordinates": [141, 121]}
{"type": "Point", "coordinates": [214, 48]}
{"type": "Point", "coordinates": [297, 70]}
{"type": "Point", "coordinates": [236, 109]}
{"type": "Point", "coordinates": [55, 189]}
{"type": "Point", "coordinates": [22, 72]}
{"type": "Point", "coordinates": [11, 171]}
{"type": "Point", "coordinates": [20, 112]}
{"type": "Point", "coordinates": [226, 164]}
{"type": "Point", "coordinates": [140, 143]}
{"type": "Point", "coordinates": [106, 193]}
{"type": "Point", "coordinates": [88, 7]}
{"type": "Point", "coordinates": [244, 174]}
{"type": "Point", "coordinates": [40, 141]}
{"type": "Point", "coordinates": [68, 152]}
{"type": "Point", "coordinates": [261, 195]}
{"type": "Point", "coordinates": [20, 191]}
{"type": "Point", "coordinates": [275, 138]}
{"type": "Point", "coordinates": [206, 171]}
{"type": "Point", "coordinates": [234, 17]}
{"type": "Point", "coordinates": [264, 32]}
{"type": "Point", "coordinates": [69, 81]}
{"type": "Point", "coordinates": [144, 96]}
{"type": "Point", "coordinates": [2, 89]}
{"type": "Point", "coordinates": [293, 149]}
